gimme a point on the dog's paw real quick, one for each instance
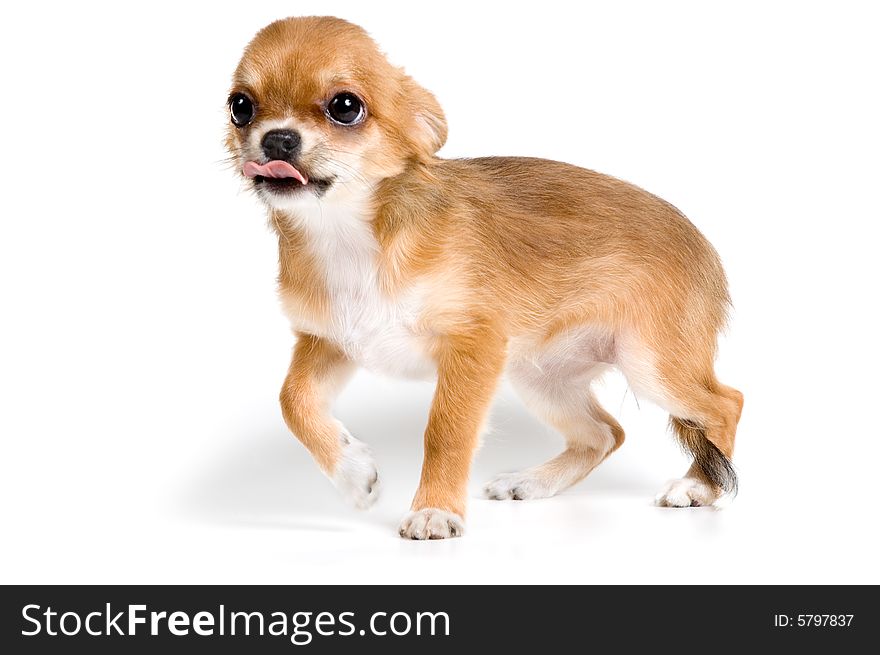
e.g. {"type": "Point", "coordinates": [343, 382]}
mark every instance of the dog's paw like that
{"type": "Point", "coordinates": [356, 475]}
{"type": "Point", "coordinates": [431, 523]}
{"type": "Point", "coordinates": [523, 485]}
{"type": "Point", "coordinates": [686, 492]}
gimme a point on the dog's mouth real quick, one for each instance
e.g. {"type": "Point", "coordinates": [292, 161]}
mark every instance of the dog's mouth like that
{"type": "Point", "coordinates": [279, 176]}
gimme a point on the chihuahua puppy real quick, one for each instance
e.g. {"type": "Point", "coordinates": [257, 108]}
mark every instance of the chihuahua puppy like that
{"type": "Point", "coordinates": [397, 260]}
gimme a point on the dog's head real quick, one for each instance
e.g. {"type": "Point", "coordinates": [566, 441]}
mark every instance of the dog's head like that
{"type": "Point", "coordinates": [315, 105]}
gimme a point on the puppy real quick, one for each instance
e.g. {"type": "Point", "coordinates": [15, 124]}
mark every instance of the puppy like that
{"type": "Point", "coordinates": [411, 265]}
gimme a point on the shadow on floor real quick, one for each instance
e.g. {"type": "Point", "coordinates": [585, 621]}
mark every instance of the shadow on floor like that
{"type": "Point", "coordinates": [261, 477]}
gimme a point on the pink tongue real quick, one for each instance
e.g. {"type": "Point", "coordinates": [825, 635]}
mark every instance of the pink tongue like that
{"type": "Point", "coordinates": [275, 169]}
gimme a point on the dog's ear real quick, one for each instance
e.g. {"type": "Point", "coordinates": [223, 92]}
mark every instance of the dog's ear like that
{"type": "Point", "coordinates": [427, 129]}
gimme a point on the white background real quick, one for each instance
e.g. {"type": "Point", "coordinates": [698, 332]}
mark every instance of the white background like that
{"type": "Point", "coordinates": [143, 348]}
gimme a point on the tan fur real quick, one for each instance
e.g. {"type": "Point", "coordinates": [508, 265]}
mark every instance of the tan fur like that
{"type": "Point", "coordinates": [317, 371]}
{"type": "Point", "coordinates": [512, 250]}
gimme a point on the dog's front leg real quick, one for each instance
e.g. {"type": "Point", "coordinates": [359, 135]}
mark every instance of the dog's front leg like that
{"type": "Point", "coordinates": [469, 366]}
{"type": "Point", "coordinates": [317, 372]}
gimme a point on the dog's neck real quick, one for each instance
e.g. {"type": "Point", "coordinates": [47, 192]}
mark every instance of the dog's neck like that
{"type": "Point", "coordinates": [339, 281]}
{"type": "Point", "coordinates": [331, 216]}
{"type": "Point", "coordinates": [328, 249]}
{"type": "Point", "coordinates": [354, 223]}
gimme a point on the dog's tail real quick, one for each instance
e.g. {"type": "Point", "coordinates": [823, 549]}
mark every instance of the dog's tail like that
{"type": "Point", "coordinates": [711, 462]}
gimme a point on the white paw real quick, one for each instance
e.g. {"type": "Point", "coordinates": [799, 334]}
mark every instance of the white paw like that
{"type": "Point", "coordinates": [519, 486]}
{"type": "Point", "coordinates": [431, 523]}
{"type": "Point", "coordinates": [356, 475]}
{"type": "Point", "coordinates": [686, 492]}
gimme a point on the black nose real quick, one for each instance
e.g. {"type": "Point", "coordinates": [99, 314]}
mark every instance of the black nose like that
{"type": "Point", "coordinates": [281, 144]}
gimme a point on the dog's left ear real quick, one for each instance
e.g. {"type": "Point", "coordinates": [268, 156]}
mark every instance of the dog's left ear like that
{"type": "Point", "coordinates": [428, 127]}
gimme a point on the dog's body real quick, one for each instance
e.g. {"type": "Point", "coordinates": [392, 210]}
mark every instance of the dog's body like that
{"type": "Point", "coordinates": [396, 260]}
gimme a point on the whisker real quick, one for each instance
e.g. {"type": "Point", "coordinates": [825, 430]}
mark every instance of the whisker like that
{"type": "Point", "coordinates": [355, 174]}
{"type": "Point", "coordinates": [353, 154]}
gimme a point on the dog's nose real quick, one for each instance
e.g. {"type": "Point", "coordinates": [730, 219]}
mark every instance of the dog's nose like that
{"type": "Point", "coordinates": [281, 144]}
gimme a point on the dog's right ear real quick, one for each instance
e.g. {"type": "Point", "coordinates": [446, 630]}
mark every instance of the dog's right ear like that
{"type": "Point", "coordinates": [427, 124]}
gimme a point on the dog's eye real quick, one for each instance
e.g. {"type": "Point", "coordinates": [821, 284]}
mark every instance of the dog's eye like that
{"type": "Point", "coordinates": [241, 109]}
{"type": "Point", "coordinates": [346, 108]}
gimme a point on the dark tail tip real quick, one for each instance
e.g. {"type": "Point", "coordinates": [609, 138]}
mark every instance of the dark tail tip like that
{"type": "Point", "coordinates": [711, 461]}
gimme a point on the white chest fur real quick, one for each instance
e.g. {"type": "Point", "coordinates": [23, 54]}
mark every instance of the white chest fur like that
{"type": "Point", "coordinates": [376, 331]}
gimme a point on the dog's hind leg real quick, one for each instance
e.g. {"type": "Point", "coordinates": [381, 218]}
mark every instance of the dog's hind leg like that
{"type": "Point", "coordinates": [557, 390]}
{"type": "Point", "coordinates": [703, 414]}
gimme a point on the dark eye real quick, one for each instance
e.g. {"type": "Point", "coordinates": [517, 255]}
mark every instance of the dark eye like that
{"type": "Point", "coordinates": [346, 108]}
{"type": "Point", "coordinates": [241, 109]}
